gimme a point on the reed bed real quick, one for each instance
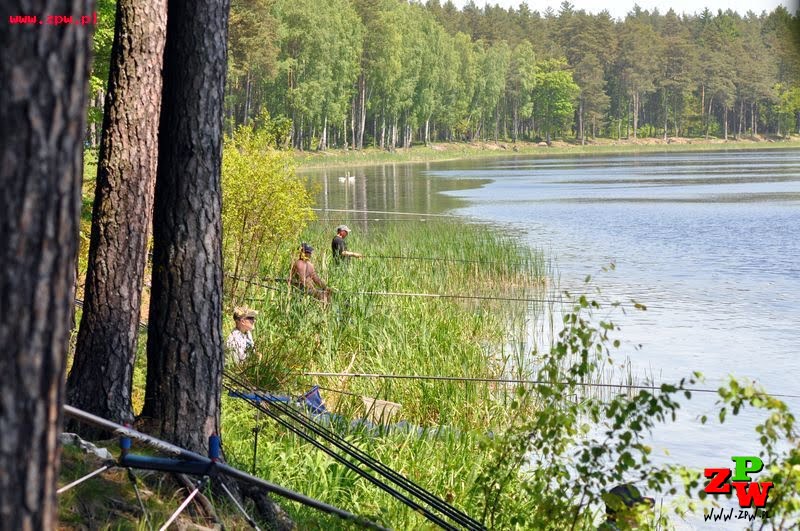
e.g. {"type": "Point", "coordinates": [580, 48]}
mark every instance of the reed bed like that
{"type": "Point", "coordinates": [363, 330]}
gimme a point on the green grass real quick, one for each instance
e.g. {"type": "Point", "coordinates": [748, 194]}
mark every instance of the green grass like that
{"type": "Point", "coordinates": [364, 331]}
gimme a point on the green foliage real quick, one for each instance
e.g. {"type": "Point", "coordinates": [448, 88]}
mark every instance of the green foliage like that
{"type": "Point", "coordinates": [788, 108]}
{"type": "Point", "coordinates": [554, 95]}
{"type": "Point", "coordinates": [366, 332]}
{"type": "Point", "coordinates": [264, 204]}
{"type": "Point", "coordinates": [575, 445]}
{"type": "Point", "coordinates": [101, 52]}
{"type": "Point", "coordinates": [780, 448]}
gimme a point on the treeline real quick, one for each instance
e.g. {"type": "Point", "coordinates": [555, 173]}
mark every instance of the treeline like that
{"type": "Point", "coordinates": [350, 73]}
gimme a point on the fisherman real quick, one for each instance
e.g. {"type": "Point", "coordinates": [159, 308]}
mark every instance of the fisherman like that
{"type": "Point", "coordinates": [305, 277]}
{"type": "Point", "coordinates": [240, 342]}
{"type": "Point", "coordinates": [626, 508]}
{"type": "Point", "coordinates": [339, 247]}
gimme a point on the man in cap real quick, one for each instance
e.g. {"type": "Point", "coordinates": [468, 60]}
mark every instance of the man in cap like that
{"type": "Point", "coordinates": [339, 247]}
{"type": "Point", "coordinates": [304, 276]}
{"type": "Point", "coordinates": [240, 341]}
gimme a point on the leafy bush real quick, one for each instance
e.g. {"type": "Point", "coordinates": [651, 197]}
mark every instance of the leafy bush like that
{"type": "Point", "coordinates": [265, 205]}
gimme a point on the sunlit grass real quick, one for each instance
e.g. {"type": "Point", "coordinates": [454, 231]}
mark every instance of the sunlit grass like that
{"type": "Point", "coordinates": [366, 330]}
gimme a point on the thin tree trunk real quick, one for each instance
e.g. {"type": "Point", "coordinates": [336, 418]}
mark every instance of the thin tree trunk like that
{"type": "Point", "coordinates": [42, 126]}
{"type": "Point", "coordinates": [362, 112]}
{"type": "Point", "coordinates": [184, 344]}
{"type": "Point", "coordinates": [344, 130]}
{"type": "Point", "coordinates": [383, 131]}
{"type": "Point", "coordinates": [755, 120]}
{"type": "Point", "coordinates": [515, 123]}
{"type": "Point", "coordinates": [708, 121]}
{"type": "Point", "coordinates": [725, 119]}
{"type": "Point", "coordinates": [427, 125]}
{"type": "Point", "coordinates": [580, 122]}
{"type": "Point", "coordinates": [248, 85]}
{"type": "Point", "coordinates": [102, 372]}
{"type": "Point", "coordinates": [628, 121]}
{"type": "Point", "coordinates": [323, 141]}
{"type": "Point", "coordinates": [702, 105]}
{"type": "Point", "coordinates": [741, 119]}
{"type": "Point", "coordinates": [635, 115]}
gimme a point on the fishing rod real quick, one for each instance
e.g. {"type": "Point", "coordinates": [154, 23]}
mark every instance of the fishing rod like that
{"type": "Point", "coordinates": [308, 427]}
{"type": "Point", "coordinates": [511, 381]}
{"type": "Point", "coordinates": [356, 220]}
{"type": "Point", "coordinates": [391, 212]}
{"type": "Point", "coordinates": [410, 294]}
{"type": "Point", "coordinates": [436, 259]}
{"type": "Point", "coordinates": [254, 283]}
{"type": "Point", "coordinates": [450, 296]}
{"type": "Point", "coordinates": [181, 453]}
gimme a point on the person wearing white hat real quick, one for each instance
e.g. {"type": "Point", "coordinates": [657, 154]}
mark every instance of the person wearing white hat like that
{"type": "Point", "coordinates": [240, 342]}
{"type": "Point", "coordinates": [339, 247]}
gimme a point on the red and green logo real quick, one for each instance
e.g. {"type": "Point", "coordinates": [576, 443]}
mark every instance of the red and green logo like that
{"type": "Point", "coordinates": [750, 493]}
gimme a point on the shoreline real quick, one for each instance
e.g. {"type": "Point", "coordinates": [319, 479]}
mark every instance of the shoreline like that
{"type": "Point", "coordinates": [452, 151]}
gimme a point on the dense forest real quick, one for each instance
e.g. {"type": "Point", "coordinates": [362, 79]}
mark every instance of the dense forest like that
{"type": "Point", "coordinates": [388, 73]}
{"type": "Point", "coordinates": [352, 73]}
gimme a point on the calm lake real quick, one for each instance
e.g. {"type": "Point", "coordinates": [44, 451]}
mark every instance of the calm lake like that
{"type": "Point", "coordinates": [707, 241]}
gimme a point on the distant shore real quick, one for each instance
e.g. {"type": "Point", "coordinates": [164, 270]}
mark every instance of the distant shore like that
{"type": "Point", "coordinates": [444, 151]}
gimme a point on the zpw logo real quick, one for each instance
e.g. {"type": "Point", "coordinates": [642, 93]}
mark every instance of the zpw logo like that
{"type": "Point", "coordinates": [750, 493]}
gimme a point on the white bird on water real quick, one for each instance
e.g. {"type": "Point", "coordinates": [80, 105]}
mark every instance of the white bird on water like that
{"type": "Point", "coordinates": [347, 178]}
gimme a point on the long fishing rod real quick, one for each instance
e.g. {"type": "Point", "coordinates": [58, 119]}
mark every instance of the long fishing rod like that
{"type": "Point", "coordinates": [354, 452]}
{"type": "Point", "coordinates": [263, 285]}
{"type": "Point", "coordinates": [410, 294]}
{"type": "Point", "coordinates": [255, 402]}
{"type": "Point", "coordinates": [355, 220]}
{"type": "Point", "coordinates": [436, 259]}
{"type": "Point", "coordinates": [391, 212]}
{"type": "Point", "coordinates": [171, 449]}
{"type": "Point", "coordinates": [450, 296]}
{"type": "Point", "coordinates": [509, 380]}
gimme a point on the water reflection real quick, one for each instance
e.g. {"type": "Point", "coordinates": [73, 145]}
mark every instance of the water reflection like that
{"type": "Point", "coordinates": [708, 241]}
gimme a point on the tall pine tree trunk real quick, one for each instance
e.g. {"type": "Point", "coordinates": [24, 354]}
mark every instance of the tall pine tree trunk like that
{"type": "Point", "coordinates": [102, 372]}
{"type": "Point", "coordinates": [184, 344]}
{"type": "Point", "coordinates": [43, 99]}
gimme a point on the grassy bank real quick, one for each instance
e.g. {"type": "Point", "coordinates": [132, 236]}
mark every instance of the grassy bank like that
{"type": "Point", "coordinates": [469, 150]}
{"type": "Point", "coordinates": [365, 330]}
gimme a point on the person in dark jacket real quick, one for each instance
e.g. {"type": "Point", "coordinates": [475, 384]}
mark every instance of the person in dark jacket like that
{"type": "Point", "coordinates": [339, 246]}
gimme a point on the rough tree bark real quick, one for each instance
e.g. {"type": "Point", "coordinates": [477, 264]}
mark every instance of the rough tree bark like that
{"type": "Point", "coordinates": [43, 96]}
{"type": "Point", "coordinates": [184, 345]}
{"type": "Point", "coordinates": [102, 372]}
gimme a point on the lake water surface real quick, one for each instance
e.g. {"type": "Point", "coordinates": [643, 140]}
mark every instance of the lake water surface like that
{"type": "Point", "coordinates": [710, 242]}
